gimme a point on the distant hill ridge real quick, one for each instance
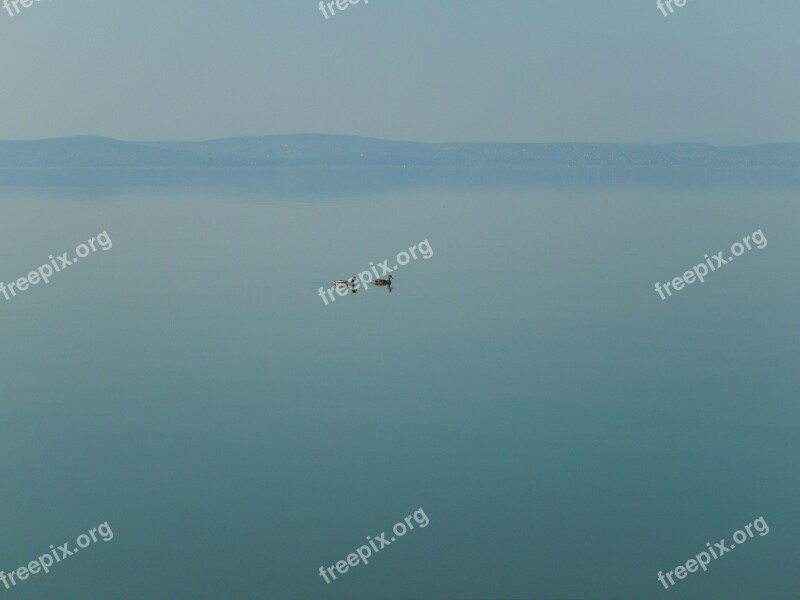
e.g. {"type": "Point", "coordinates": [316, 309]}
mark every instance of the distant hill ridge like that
{"type": "Point", "coordinates": [335, 150]}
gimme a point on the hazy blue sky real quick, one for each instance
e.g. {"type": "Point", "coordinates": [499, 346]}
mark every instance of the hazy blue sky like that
{"type": "Point", "coordinates": [723, 72]}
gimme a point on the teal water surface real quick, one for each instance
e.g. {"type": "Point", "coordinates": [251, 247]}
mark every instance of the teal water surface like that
{"type": "Point", "coordinates": [567, 433]}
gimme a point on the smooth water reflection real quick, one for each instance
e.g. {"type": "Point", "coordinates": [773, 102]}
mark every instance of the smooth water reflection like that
{"type": "Point", "coordinates": [567, 432]}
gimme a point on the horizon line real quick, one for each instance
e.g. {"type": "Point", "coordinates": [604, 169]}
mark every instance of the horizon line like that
{"type": "Point", "coordinates": [378, 139]}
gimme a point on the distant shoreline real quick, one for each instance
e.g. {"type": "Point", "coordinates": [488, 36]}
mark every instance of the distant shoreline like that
{"type": "Point", "coordinates": [347, 151]}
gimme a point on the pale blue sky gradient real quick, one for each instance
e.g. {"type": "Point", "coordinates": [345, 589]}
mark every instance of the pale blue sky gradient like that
{"type": "Point", "coordinates": [533, 71]}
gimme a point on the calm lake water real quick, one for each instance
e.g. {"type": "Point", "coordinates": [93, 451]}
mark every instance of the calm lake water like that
{"type": "Point", "coordinates": [567, 433]}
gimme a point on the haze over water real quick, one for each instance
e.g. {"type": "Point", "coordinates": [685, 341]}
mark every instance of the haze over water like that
{"type": "Point", "coordinates": [524, 397]}
{"type": "Point", "coordinates": [567, 432]}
